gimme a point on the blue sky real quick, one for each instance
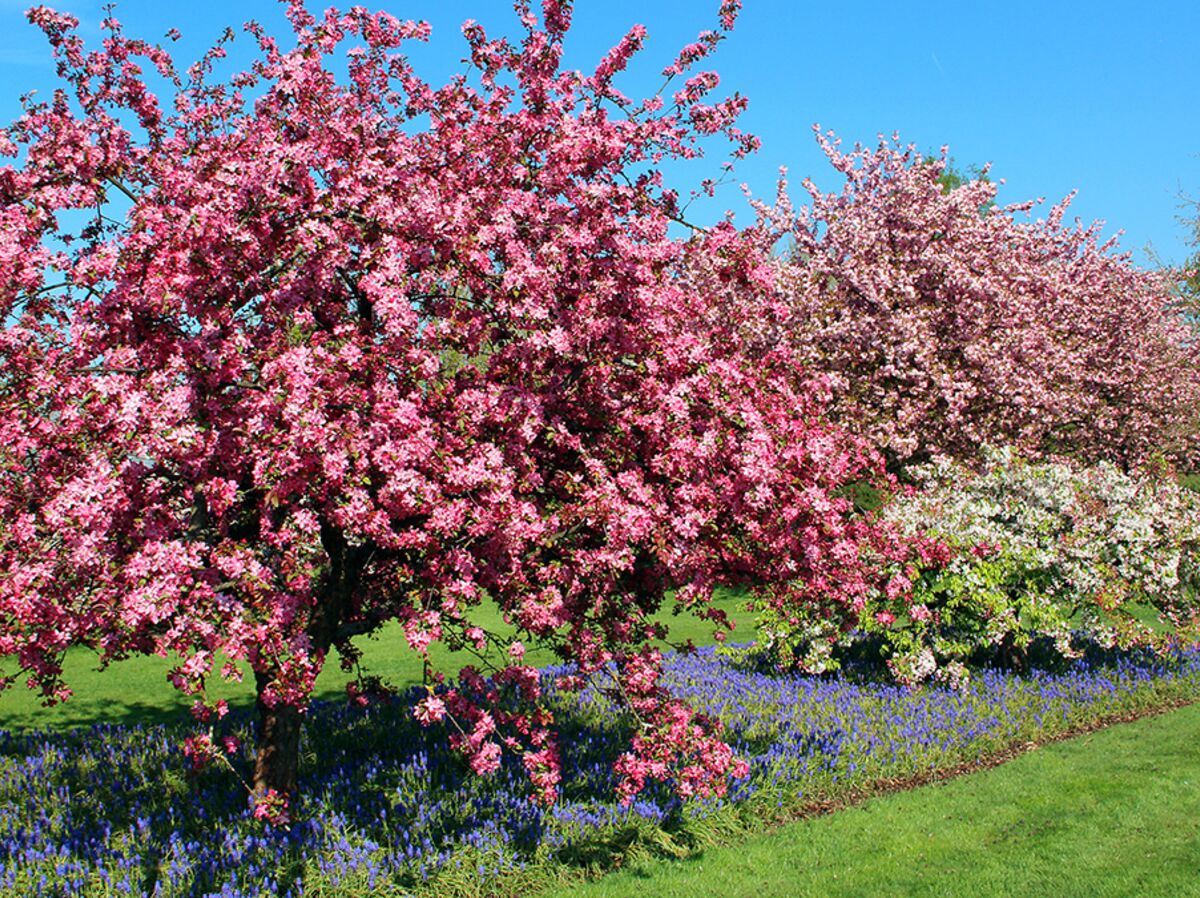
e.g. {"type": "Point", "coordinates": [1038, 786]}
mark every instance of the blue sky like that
{"type": "Point", "coordinates": [1058, 95]}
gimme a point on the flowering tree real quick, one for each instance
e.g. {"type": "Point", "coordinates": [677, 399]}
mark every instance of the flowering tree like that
{"type": "Point", "coordinates": [945, 321]}
{"type": "Point", "coordinates": [353, 353]}
{"type": "Point", "coordinates": [1050, 548]}
{"type": "Point", "coordinates": [978, 562]}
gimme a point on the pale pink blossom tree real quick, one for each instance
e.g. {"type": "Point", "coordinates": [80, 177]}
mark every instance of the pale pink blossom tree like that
{"type": "Point", "coordinates": [946, 322]}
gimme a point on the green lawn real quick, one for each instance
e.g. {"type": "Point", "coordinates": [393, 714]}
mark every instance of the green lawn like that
{"type": "Point", "coordinates": [137, 691]}
{"type": "Point", "coordinates": [1115, 814]}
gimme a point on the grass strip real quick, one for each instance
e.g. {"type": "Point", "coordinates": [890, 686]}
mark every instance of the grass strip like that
{"type": "Point", "coordinates": [1113, 812]}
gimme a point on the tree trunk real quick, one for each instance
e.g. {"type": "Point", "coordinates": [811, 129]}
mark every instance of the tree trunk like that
{"type": "Point", "coordinates": [1013, 655]}
{"type": "Point", "coordinates": [277, 758]}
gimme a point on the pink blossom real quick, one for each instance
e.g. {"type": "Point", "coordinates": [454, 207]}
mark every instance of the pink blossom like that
{"type": "Point", "coordinates": [429, 710]}
{"type": "Point", "coordinates": [486, 758]}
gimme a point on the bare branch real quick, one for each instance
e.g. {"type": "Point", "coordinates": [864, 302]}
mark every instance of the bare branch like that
{"type": "Point", "coordinates": [121, 187]}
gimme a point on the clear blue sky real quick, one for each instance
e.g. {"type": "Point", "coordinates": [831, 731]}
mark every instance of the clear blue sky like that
{"type": "Point", "coordinates": [1097, 96]}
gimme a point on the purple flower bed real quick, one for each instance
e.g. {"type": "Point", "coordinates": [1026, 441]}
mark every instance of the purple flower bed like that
{"type": "Point", "coordinates": [113, 811]}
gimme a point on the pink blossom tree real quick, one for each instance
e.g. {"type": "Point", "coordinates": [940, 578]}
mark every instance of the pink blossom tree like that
{"type": "Point", "coordinates": [351, 353]}
{"type": "Point", "coordinates": [946, 322]}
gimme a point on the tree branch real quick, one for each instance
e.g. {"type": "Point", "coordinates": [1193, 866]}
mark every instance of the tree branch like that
{"type": "Point", "coordinates": [121, 187]}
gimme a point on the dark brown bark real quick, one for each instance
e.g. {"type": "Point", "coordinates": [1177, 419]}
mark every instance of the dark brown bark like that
{"type": "Point", "coordinates": [277, 759]}
{"type": "Point", "coordinates": [277, 755]}
{"type": "Point", "coordinates": [1013, 656]}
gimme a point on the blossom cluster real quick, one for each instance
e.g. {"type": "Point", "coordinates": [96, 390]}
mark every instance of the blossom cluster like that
{"type": "Point", "coordinates": [339, 351]}
{"type": "Point", "coordinates": [983, 561]}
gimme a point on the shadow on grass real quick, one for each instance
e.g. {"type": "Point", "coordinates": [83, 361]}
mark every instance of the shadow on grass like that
{"type": "Point", "coordinates": [83, 714]}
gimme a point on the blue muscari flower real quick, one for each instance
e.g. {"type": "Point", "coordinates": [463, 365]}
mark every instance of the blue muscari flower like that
{"type": "Point", "coordinates": [380, 807]}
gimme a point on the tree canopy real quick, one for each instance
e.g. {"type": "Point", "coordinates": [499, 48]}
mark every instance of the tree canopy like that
{"type": "Point", "coordinates": [382, 351]}
{"type": "Point", "coordinates": [945, 322]}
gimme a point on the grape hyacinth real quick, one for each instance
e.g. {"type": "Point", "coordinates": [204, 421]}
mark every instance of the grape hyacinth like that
{"type": "Point", "coordinates": [113, 810]}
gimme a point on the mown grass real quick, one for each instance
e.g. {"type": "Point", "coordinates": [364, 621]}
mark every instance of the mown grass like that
{"type": "Point", "coordinates": [1113, 814]}
{"type": "Point", "coordinates": [136, 690]}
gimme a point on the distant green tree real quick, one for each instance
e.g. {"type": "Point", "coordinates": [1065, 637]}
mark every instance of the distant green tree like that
{"type": "Point", "coordinates": [1185, 277]}
{"type": "Point", "coordinates": [952, 176]}
{"type": "Point", "coordinates": [1188, 274]}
